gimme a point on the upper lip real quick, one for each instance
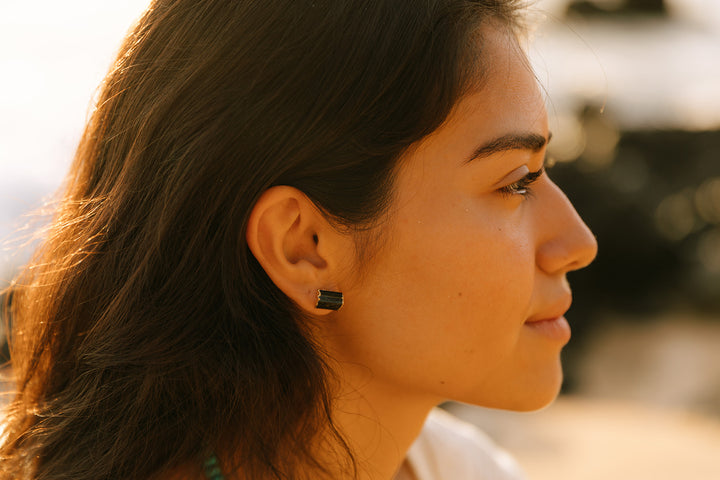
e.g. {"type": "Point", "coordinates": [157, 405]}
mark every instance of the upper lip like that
{"type": "Point", "coordinates": [553, 310]}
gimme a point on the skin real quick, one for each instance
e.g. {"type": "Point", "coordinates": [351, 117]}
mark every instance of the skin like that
{"type": "Point", "coordinates": [443, 310]}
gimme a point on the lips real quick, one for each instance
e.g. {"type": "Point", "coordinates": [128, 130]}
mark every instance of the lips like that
{"type": "Point", "coordinates": [551, 323]}
{"type": "Point", "coordinates": [553, 311]}
{"type": "Point", "coordinates": [557, 329]}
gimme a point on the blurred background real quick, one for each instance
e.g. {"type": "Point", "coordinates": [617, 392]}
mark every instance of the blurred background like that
{"type": "Point", "coordinates": [634, 100]}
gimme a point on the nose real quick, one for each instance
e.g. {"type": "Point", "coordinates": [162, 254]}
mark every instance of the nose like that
{"type": "Point", "coordinates": [565, 242]}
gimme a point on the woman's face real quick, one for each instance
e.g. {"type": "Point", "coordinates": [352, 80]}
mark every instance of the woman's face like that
{"type": "Point", "coordinates": [473, 257]}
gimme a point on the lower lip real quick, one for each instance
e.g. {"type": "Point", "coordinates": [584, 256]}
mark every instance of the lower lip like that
{"type": "Point", "coordinates": [556, 329]}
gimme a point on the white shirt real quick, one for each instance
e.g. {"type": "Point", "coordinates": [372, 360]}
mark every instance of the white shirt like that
{"type": "Point", "coordinates": [450, 449]}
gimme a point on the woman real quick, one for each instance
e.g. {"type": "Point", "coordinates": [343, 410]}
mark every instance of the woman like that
{"type": "Point", "coordinates": [290, 230]}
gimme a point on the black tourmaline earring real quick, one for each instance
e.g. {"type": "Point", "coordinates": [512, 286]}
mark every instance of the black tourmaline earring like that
{"type": "Point", "coordinates": [329, 300]}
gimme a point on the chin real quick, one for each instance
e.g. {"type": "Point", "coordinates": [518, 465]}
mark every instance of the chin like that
{"type": "Point", "coordinates": [536, 403]}
{"type": "Point", "coordinates": [531, 402]}
{"type": "Point", "coordinates": [542, 395]}
{"type": "Point", "coordinates": [528, 394]}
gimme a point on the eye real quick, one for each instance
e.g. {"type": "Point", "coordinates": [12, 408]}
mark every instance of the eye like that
{"type": "Point", "coordinates": [523, 186]}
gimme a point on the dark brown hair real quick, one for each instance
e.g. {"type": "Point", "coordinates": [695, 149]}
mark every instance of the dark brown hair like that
{"type": "Point", "coordinates": [145, 335]}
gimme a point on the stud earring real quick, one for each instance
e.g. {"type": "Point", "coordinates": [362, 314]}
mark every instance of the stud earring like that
{"type": "Point", "coordinates": [329, 300]}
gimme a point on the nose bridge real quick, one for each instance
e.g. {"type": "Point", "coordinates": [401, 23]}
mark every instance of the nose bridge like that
{"type": "Point", "coordinates": [565, 242]}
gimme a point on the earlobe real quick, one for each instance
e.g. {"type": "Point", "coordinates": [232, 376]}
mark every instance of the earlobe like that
{"type": "Point", "coordinates": [292, 241]}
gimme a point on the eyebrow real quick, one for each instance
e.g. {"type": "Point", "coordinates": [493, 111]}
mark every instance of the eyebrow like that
{"type": "Point", "coordinates": [511, 141]}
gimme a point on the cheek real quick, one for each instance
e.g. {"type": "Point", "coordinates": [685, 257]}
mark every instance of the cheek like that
{"type": "Point", "coordinates": [454, 289]}
{"type": "Point", "coordinates": [471, 247]}
{"type": "Point", "coordinates": [480, 280]}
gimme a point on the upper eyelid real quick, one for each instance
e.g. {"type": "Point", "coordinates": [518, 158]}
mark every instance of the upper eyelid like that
{"type": "Point", "coordinates": [532, 176]}
{"type": "Point", "coordinates": [529, 177]}
{"type": "Point", "coordinates": [546, 163]}
{"type": "Point", "coordinates": [522, 184]}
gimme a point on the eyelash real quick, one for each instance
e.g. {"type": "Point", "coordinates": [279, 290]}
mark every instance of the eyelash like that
{"type": "Point", "coordinates": [523, 186]}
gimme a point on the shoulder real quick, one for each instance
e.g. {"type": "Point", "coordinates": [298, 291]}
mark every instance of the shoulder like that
{"type": "Point", "coordinates": [448, 448]}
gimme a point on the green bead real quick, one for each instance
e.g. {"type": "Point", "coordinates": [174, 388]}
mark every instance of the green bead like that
{"type": "Point", "coordinates": [212, 469]}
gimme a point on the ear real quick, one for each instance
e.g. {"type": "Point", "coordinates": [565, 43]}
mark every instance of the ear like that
{"type": "Point", "coordinates": [295, 245]}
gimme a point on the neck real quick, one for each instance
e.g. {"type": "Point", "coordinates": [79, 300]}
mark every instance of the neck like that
{"type": "Point", "coordinates": [379, 421]}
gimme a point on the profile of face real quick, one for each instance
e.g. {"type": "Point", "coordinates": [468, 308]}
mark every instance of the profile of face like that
{"type": "Point", "coordinates": [465, 298]}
